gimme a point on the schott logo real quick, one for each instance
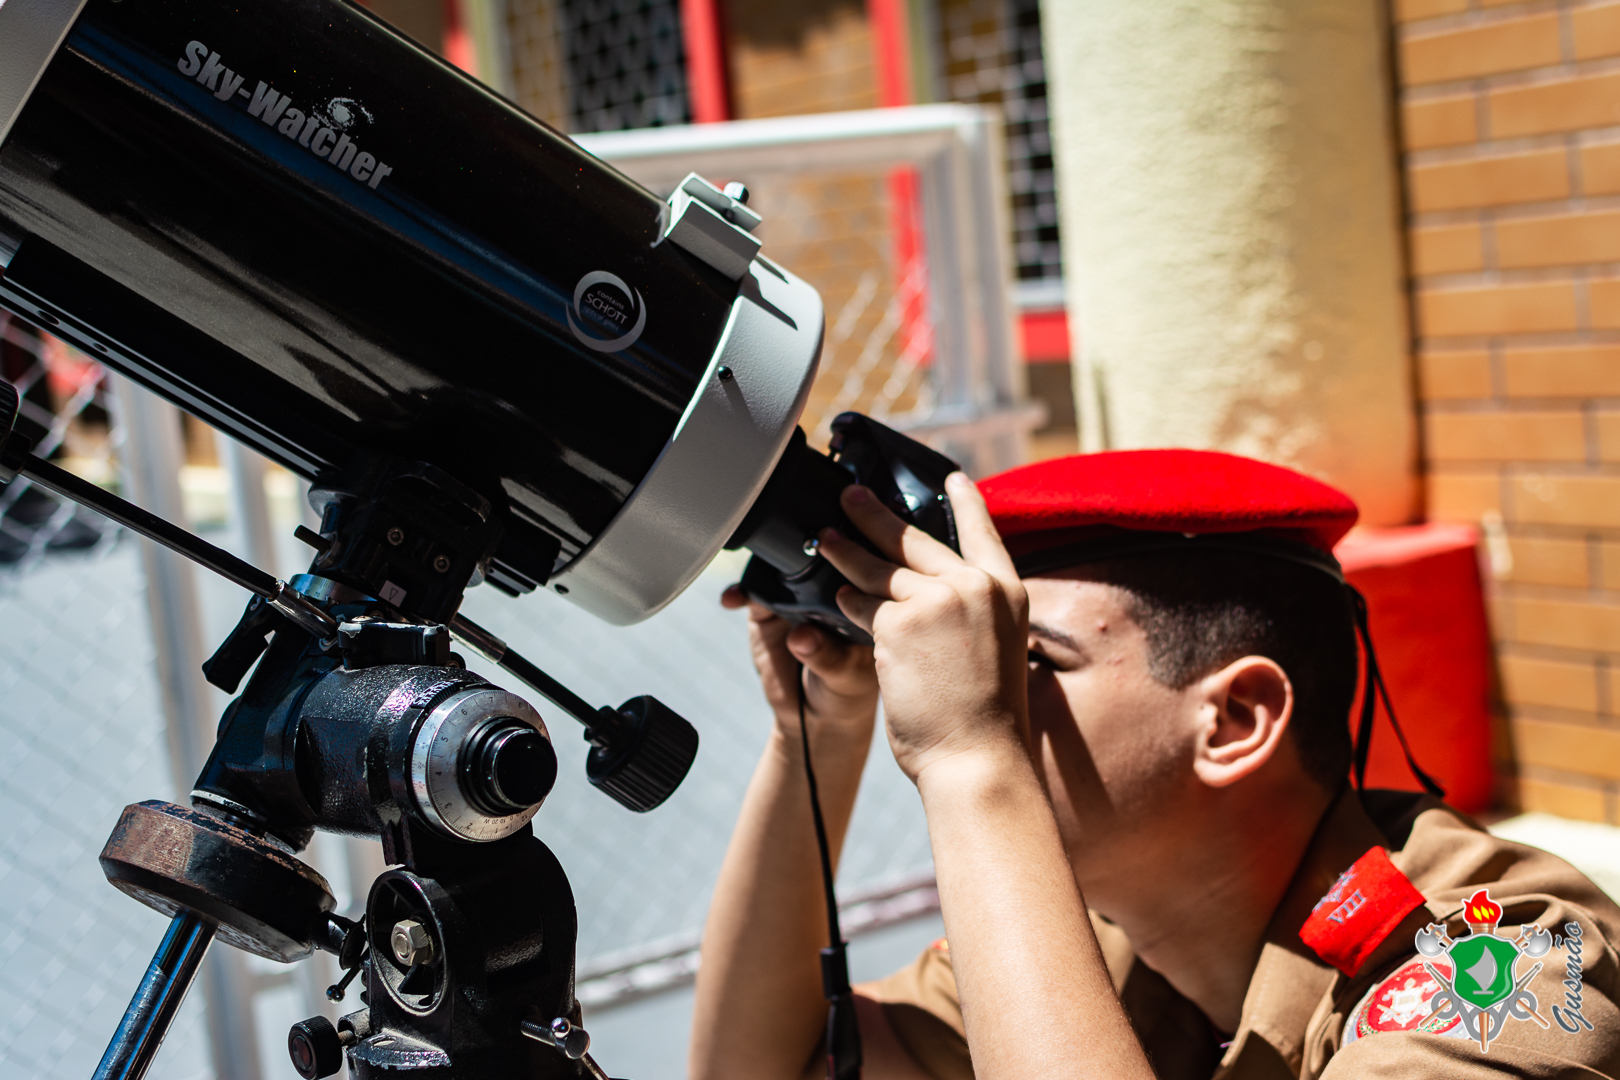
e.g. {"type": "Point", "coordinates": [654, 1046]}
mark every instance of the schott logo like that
{"type": "Point", "coordinates": [603, 303]}
{"type": "Point", "coordinates": [323, 131]}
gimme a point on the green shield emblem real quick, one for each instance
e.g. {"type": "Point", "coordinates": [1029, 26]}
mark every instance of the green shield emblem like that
{"type": "Point", "coordinates": [1484, 969]}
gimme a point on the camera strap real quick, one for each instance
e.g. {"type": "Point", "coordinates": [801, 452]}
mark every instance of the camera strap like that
{"type": "Point", "coordinates": [1373, 691]}
{"type": "Point", "coordinates": [843, 1038]}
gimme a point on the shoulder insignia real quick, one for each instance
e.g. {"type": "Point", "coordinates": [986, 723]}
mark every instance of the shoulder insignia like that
{"type": "Point", "coordinates": [1401, 1003]}
{"type": "Point", "coordinates": [1362, 908]}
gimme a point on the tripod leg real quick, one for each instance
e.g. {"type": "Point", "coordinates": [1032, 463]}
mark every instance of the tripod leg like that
{"type": "Point", "coordinates": [157, 999]}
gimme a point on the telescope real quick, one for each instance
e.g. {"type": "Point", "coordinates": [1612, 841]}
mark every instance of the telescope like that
{"type": "Point", "coordinates": [497, 361]}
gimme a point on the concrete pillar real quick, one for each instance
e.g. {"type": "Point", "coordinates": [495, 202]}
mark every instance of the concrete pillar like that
{"type": "Point", "coordinates": [1231, 234]}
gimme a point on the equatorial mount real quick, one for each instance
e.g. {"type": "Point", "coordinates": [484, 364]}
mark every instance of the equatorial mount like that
{"type": "Point", "coordinates": [356, 717]}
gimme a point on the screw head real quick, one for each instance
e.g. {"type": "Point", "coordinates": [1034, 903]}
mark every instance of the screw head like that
{"type": "Point", "coordinates": [396, 536]}
{"type": "Point", "coordinates": [441, 563]}
{"type": "Point", "coordinates": [812, 547]}
{"type": "Point", "coordinates": [410, 943]}
{"type": "Point", "coordinates": [737, 190]}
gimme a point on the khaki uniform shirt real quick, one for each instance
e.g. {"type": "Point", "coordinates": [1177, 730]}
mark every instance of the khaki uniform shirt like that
{"type": "Point", "coordinates": [1302, 1018]}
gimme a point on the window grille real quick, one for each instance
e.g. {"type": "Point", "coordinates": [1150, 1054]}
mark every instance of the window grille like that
{"type": "Point", "coordinates": [990, 53]}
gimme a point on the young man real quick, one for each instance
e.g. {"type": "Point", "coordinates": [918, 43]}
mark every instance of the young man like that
{"type": "Point", "coordinates": [1129, 735]}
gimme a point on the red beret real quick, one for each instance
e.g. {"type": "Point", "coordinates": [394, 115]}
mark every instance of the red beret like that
{"type": "Point", "coordinates": [1056, 503]}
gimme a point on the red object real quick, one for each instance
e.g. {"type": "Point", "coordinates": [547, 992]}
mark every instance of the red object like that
{"type": "Point", "coordinates": [458, 43]}
{"type": "Point", "coordinates": [891, 44]}
{"type": "Point", "coordinates": [707, 86]}
{"type": "Point", "coordinates": [1040, 506]}
{"type": "Point", "coordinates": [1426, 610]}
{"type": "Point", "coordinates": [1045, 336]}
{"type": "Point", "coordinates": [891, 55]}
{"type": "Point", "coordinates": [1362, 908]}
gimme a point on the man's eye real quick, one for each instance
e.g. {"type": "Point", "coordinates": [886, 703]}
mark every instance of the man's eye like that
{"type": "Point", "coordinates": [1041, 660]}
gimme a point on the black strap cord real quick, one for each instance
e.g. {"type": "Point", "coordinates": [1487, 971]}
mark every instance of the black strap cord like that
{"type": "Point", "coordinates": [843, 1030]}
{"type": "Point", "coordinates": [1372, 692]}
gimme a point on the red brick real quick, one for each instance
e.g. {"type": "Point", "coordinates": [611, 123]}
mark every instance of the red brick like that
{"type": "Point", "coordinates": [1590, 501]}
{"type": "Point", "coordinates": [1567, 624]}
{"type": "Point", "coordinates": [1561, 105]}
{"type": "Point", "coordinates": [1490, 181]}
{"type": "Point", "coordinates": [1449, 121]}
{"type": "Point", "coordinates": [1576, 748]}
{"type": "Point", "coordinates": [1558, 240]}
{"type": "Point", "coordinates": [1505, 436]}
{"type": "Point", "coordinates": [1569, 371]}
{"type": "Point", "coordinates": [1461, 374]}
{"type": "Point", "coordinates": [1498, 309]}
{"type": "Point", "coordinates": [1459, 496]}
{"type": "Point", "coordinates": [1409, 10]}
{"type": "Point", "coordinates": [1555, 683]}
{"type": "Point", "coordinates": [1564, 800]}
{"type": "Point", "coordinates": [1447, 249]}
{"type": "Point", "coordinates": [1469, 52]}
{"type": "Point", "coordinates": [1596, 30]}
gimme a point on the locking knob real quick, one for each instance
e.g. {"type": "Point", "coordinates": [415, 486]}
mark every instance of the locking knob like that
{"type": "Point", "coordinates": [315, 1047]}
{"type": "Point", "coordinates": [641, 753]}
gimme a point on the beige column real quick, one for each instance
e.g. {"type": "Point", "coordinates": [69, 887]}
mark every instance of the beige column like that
{"type": "Point", "coordinates": [1230, 230]}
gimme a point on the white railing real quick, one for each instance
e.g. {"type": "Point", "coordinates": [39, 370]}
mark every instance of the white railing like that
{"type": "Point", "coordinates": [977, 409]}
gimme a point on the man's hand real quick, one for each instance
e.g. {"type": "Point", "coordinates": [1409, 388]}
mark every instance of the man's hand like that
{"type": "Point", "coordinates": [951, 630]}
{"type": "Point", "coordinates": [952, 640]}
{"type": "Point", "coordinates": [841, 686]}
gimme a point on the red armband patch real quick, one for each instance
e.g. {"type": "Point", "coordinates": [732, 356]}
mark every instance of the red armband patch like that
{"type": "Point", "coordinates": [1363, 908]}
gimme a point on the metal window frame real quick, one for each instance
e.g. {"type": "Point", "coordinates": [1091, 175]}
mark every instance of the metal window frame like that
{"type": "Point", "coordinates": [981, 415]}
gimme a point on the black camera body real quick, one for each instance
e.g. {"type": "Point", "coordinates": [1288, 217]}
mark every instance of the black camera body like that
{"type": "Point", "coordinates": [787, 574]}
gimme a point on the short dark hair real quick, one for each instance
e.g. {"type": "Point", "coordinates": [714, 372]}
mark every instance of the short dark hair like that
{"type": "Point", "coordinates": [1202, 610]}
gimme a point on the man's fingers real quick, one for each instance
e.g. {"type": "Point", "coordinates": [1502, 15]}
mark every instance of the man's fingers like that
{"type": "Point", "coordinates": [975, 531]}
{"type": "Point", "coordinates": [866, 571]}
{"type": "Point", "coordinates": [861, 608]}
{"type": "Point", "coordinates": [902, 543]}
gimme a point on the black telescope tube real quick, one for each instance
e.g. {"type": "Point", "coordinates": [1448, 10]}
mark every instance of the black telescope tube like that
{"type": "Point", "coordinates": [157, 999]}
{"type": "Point", "coordinates": [305, 229]}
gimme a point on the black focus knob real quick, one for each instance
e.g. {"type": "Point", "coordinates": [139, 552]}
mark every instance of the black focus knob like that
{"type": "Point", "coordinates": [641, 753]}
{"type": "Point", "coordinates": [509, 767]}
{"type": "Point", "coordinates": [315, 1048]}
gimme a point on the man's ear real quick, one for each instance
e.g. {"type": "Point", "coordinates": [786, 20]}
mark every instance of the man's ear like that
{"type": "Point", "coordinates": [1245, 711]}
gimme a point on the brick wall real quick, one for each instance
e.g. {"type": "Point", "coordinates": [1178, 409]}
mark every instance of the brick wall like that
{"type": "Point", "coordinates": [1511, 120]}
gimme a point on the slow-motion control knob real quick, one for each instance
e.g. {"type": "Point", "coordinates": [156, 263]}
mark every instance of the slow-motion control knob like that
{"type": "Point", "coordinates": [641, 753]}
{"type": "Point", "coordinates": [481, 763]}
{"type": "Point", "coordinates": [508, 767]}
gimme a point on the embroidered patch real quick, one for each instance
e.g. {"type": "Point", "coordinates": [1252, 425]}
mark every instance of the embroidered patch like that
{"type": "Point", "coordinates": [1401, 1003]}
{"type": "Point", "coordinates": [1362, 908]}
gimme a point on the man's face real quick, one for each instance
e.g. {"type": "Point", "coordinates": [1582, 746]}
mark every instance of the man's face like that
{"type": "Point", "coordinates": [1114, 746]}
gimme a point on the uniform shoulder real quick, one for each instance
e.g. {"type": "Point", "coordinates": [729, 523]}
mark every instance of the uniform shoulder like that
{"type": "Point", "coordinates": [1478, 994]}
{"type": "Point", "coordinates": [1448, 856]}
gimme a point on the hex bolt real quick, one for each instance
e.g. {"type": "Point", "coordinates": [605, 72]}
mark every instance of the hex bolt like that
{"type": "Point", "coordinates": [396, 536]}
{"type": "Point", "coordinates": [411, 943]}
{"type": "Point", "coordinates": [441, 563]}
